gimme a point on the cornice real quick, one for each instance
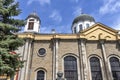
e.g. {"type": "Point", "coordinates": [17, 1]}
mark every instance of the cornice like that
{"type": "Point", "coordinates": [96, 32]}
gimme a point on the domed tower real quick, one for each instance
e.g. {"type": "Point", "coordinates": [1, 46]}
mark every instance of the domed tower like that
{"type": "Point", "coordinates": [82, 22]}
{"type": "Point", "coordinates": [32, 23]}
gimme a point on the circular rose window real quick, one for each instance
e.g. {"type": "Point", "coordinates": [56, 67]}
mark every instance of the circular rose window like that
{"type": "Point", "coordinates": [42, 51]}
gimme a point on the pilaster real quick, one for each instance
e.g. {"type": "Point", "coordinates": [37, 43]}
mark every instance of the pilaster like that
{"type": "Point", "coordinates": [26, 58]}
{"type": "Point", "coordinates": [106, 74]}
{"type": "Point", "coordinates": [55, 58]}
{"type": "Point", "coordinates": [84, 59]}
{"type": "Point", "coordinates": [80, 60]}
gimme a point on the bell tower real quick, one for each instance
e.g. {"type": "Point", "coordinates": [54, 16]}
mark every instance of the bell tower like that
{"type": "Point", "coordinates": [32, 23]}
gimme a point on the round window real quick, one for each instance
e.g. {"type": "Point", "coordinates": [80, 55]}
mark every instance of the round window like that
{"type": "Point", "coordinates": [42, 51]}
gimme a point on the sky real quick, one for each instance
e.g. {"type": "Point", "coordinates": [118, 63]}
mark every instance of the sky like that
{"type": "Point", "coordinates": [59, 14]}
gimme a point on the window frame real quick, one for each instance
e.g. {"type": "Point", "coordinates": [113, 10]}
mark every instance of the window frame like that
{"type": "Point", "coordinates": [31, 24]}
{"type": "Point", "coordinates": [100, 64]}
{"type": "Point", "coordinates": [87, 25]}
{"type": "Point", "coordinates": [80, 27]}
{"type": "Point", "coordinates": [41, 55]}
{"type": "Point", "coordinates": [110, 64]}
{"type": "Point", "coordinates": [77, 69]}
{"type": "Point", "coordinates": [41, 69]}
{"type": "Point", "coordinates": [75, 29]}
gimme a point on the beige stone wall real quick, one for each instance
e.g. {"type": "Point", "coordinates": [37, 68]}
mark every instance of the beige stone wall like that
{"type": "Point", "coordinates": [45, 62]}
{"type": "Point", "coordinates": [93, 47]}
{"type": "Point", "coordinates": [42, 62]}
{"type": "Point", "coordinates": [65, 47]}
{"type": "Point", "coordinates": [112, 47]}
{"type": "Point", "coordinates": [68, 43]}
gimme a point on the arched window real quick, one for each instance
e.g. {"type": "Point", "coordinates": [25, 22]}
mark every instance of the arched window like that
{"type": "Point", "coordinates": [115, 68]}
{"type": "Point", "coordinates": [80, 27]}
{"type": "Point", "coordinates": [70, 68]}
{"type": "Point", "coordinates": [75, 30]}
{"type": "Point", "coordinates": [87, 25]}
{"type": "Point", "coordinates": [40, 75]}
{"type": "Point", "coordinates": [30, 24]}
{"type": "Point", "coordinates": [95, 69]}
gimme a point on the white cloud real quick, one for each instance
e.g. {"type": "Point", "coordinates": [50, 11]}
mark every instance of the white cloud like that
{"type": "Point", "coordinates": [56, 16]}
{"type": "Point", "coordinates": [77, 11]}
{"type": "Point", "coordinates": [110, 6]}
{"type": "Point", "coordinates": [41, 2]}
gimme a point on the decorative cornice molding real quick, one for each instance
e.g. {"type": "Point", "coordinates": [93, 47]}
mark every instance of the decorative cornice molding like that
{"type": "Point", "coordinates": [95, 32]}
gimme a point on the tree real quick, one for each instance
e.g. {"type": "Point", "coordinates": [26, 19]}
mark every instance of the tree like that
{"type": "Point", "coordinates": [9, 41]}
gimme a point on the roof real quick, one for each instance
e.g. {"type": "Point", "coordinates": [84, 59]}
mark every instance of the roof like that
{"type": "Point", "coordinates": [83, 17]}
{"type": "Point", "coordinates": [34, 15]}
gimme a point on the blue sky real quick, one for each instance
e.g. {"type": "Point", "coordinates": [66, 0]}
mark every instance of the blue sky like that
{"type": "Point", "coordinates": [59, 14]}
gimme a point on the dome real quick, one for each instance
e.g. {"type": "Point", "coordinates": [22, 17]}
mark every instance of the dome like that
{"type": "Point", "coordinates": [84, 17]}
{"type": "Point", "coordinates": [34, 15]}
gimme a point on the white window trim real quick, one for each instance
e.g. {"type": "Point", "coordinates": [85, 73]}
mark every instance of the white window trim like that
{"type": "Point", "coordinates": [78, 65]}
{"type": "Point", "coordinates": [39, 70]}
{"type": "Point", "coordinates": [101, 65]}
{"type": "Point", "coordinates": [109, 66]}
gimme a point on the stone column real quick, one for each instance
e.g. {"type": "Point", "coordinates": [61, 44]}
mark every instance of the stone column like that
{"type": "Point", "coordinates": [56, 47]}
{"type": "Point", "coordinates": [106, 70]}
{"type": "Point", "coordinates": [26, 56]}
{"type": "Point", "coordinates": [55, 58]}
{"type": "Point", "coordinates": [84, 59]}
{"type": "Point", "coordinates": [80, 60]}
{"type": "Point", "coordinates": [28, 60]}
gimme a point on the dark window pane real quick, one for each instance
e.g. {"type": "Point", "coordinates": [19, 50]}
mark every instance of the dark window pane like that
{"type": "Point", "coordinates": [87, 25]}
{"type": "Point", "coordinates": [40, 75]}
{"type": "Point", "coordinates": [80, 27]}
{"type": "Point", "coordinates": [75, 30]}
{"type": "Point", "coordinates": [70, 68]}
{"type": "Point", "coordinates": [95, 68]}
{"type": "Point", "coordinates": [30, 25]}
{"type": "Point", "coordinates": [42, 51]}
{"type": "Point", "coordinates": [115, 68]}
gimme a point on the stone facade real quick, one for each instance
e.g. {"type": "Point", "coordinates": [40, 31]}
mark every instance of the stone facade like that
{"type": "Point", "coordinates": [97, 41]}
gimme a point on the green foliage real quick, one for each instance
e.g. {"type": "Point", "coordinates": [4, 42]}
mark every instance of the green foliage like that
{"type": "Point", "coordinates": [9, 63]}
{"type": "Point", "coordinates": [9, 41]}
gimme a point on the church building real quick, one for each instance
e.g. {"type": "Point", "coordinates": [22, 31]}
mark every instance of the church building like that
{"type": "Point", "coordinates": [90, 52]}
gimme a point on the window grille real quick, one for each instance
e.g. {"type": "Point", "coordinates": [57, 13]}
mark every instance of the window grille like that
{"type": "Point", "coordinates": [80, 27]}
{"type": "Point", "coordinates": [70, 68]}
{"type": "Point", "coordinates": [40, 75]}
{"type": "Point", "coordinates": [30, 25]}
{"type": "Point", "coordinates": [115, 68]}
{"type": "Point", "coordinates": [95, 69]}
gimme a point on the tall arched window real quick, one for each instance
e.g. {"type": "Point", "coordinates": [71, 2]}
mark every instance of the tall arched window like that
{"type": "Point", "coordinates": [30, 24]}
{"type": "Point", "coordinates": [80, 27]}
{"type": "Point", "coordinates": [95, 69]}
{"type": "Point", "coordinates": [70, 68]}
{"type": "Point", "coordinates": [75, 30]}
{"type": "Point", "coordinates": [115, 68]}
{"type": "Point", "coordinates": [87, 25]}
{"type": "Point", "coordinates": [40, 75]}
